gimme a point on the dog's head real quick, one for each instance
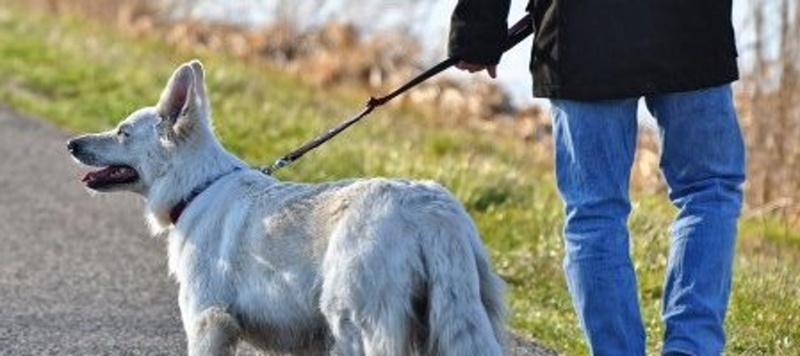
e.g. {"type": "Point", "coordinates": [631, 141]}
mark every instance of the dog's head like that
{"type": "Point", "coordinates": [142, 148]}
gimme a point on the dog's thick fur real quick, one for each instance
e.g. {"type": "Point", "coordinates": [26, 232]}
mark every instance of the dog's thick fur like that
{"type": "Point", "coordinates": [358, 267]}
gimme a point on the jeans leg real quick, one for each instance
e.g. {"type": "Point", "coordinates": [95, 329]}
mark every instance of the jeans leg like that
{"type": "Point", "coordinates": [703, 162]}
{"type": "Point", "coordinates": [594, 147]}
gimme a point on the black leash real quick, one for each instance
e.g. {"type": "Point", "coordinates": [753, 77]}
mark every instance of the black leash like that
{"type": "Point", "coordinates": [518, 32]}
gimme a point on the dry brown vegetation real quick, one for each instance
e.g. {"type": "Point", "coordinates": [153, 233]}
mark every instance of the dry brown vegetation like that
{"type": "Point", "coordinates": [769, 106]}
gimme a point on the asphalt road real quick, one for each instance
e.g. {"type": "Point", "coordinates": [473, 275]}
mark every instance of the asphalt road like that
{"type": "Point", "coordinates": [79, 274]}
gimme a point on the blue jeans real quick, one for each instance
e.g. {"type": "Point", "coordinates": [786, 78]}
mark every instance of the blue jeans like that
{"type": "Point", "coordinates": [703, 162]}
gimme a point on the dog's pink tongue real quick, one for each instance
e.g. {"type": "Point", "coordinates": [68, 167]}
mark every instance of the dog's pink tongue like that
{"type": "Point", "coordinates": [100, 174]}
{"type": "Point", "coordinates": [91, 176]}
{"type": "Point", "coordinates": [109, 175]}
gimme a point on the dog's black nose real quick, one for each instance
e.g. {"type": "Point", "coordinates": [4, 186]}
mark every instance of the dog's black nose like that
{"type": "Point", "coordinates": [73, 146]}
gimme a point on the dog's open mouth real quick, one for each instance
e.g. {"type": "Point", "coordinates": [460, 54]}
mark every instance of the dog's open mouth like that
{"type": "Point", "coordinates": [110, 176]}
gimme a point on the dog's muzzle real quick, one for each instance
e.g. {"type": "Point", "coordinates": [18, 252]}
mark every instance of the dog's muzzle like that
{"type": "Point", "coordinates": [74, 146]}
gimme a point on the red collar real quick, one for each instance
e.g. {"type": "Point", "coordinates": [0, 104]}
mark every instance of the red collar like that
{"type": "Point", "coordinates": [177, 209]}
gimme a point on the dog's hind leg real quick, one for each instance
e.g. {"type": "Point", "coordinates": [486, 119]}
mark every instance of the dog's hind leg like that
{"type": "Point", "coordinates": [216, 332]}
{"type": "Point", "coordinates": [366, 339]}
{"type": "Point", "coordinates": [367, 299]}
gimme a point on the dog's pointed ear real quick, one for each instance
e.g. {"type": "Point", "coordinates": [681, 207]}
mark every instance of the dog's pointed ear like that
{"type": "Point", "coordinates": [178, 96]}
{"type": "Point", "coordinates": [200, 85]}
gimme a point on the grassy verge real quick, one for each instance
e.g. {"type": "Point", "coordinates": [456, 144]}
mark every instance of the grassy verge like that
{"type": "Point", "coordinates": [85, 76]}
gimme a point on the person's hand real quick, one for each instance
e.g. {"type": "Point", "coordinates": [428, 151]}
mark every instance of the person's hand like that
{"type": "Point", "coordinates": [474, 67]}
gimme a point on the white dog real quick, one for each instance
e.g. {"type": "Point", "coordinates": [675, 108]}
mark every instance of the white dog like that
{"type": "Point", "coordinates": [358, 267]}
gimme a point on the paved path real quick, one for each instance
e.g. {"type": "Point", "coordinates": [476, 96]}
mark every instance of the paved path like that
{"type": "Point", "coordinates": [79, 275]}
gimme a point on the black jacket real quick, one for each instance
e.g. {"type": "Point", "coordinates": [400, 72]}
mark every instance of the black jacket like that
{"type": "Point", "coordinates": [608, 49]}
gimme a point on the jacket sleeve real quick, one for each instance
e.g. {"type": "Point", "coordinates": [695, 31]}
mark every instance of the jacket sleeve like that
{"type": "Point", "coordinates": [478, 30]}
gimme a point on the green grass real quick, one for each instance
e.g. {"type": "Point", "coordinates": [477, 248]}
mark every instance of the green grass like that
{"type": "Point", "coordinates": [86, 76]}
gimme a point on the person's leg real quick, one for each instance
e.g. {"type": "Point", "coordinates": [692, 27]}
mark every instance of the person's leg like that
{"type": "Point", "coordinates": [595, 144]}
{"type": "Point", "coordinates": [703, 161]}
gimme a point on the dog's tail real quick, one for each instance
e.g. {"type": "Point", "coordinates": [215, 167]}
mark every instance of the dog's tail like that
{"type": "Point", "coordinates": [466, 300]}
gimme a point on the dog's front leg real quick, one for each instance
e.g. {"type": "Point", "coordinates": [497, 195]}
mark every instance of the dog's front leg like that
{"type": "Point", "coordinates": [215, 332]}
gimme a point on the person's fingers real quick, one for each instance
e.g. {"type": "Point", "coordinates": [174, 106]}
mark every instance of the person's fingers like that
{"type": "Point", "coordinates": [471, 67]}
{"type": "Point", "coordinates": [492, 71]}
{"type": "Point", "coordinates": [474, 68]}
